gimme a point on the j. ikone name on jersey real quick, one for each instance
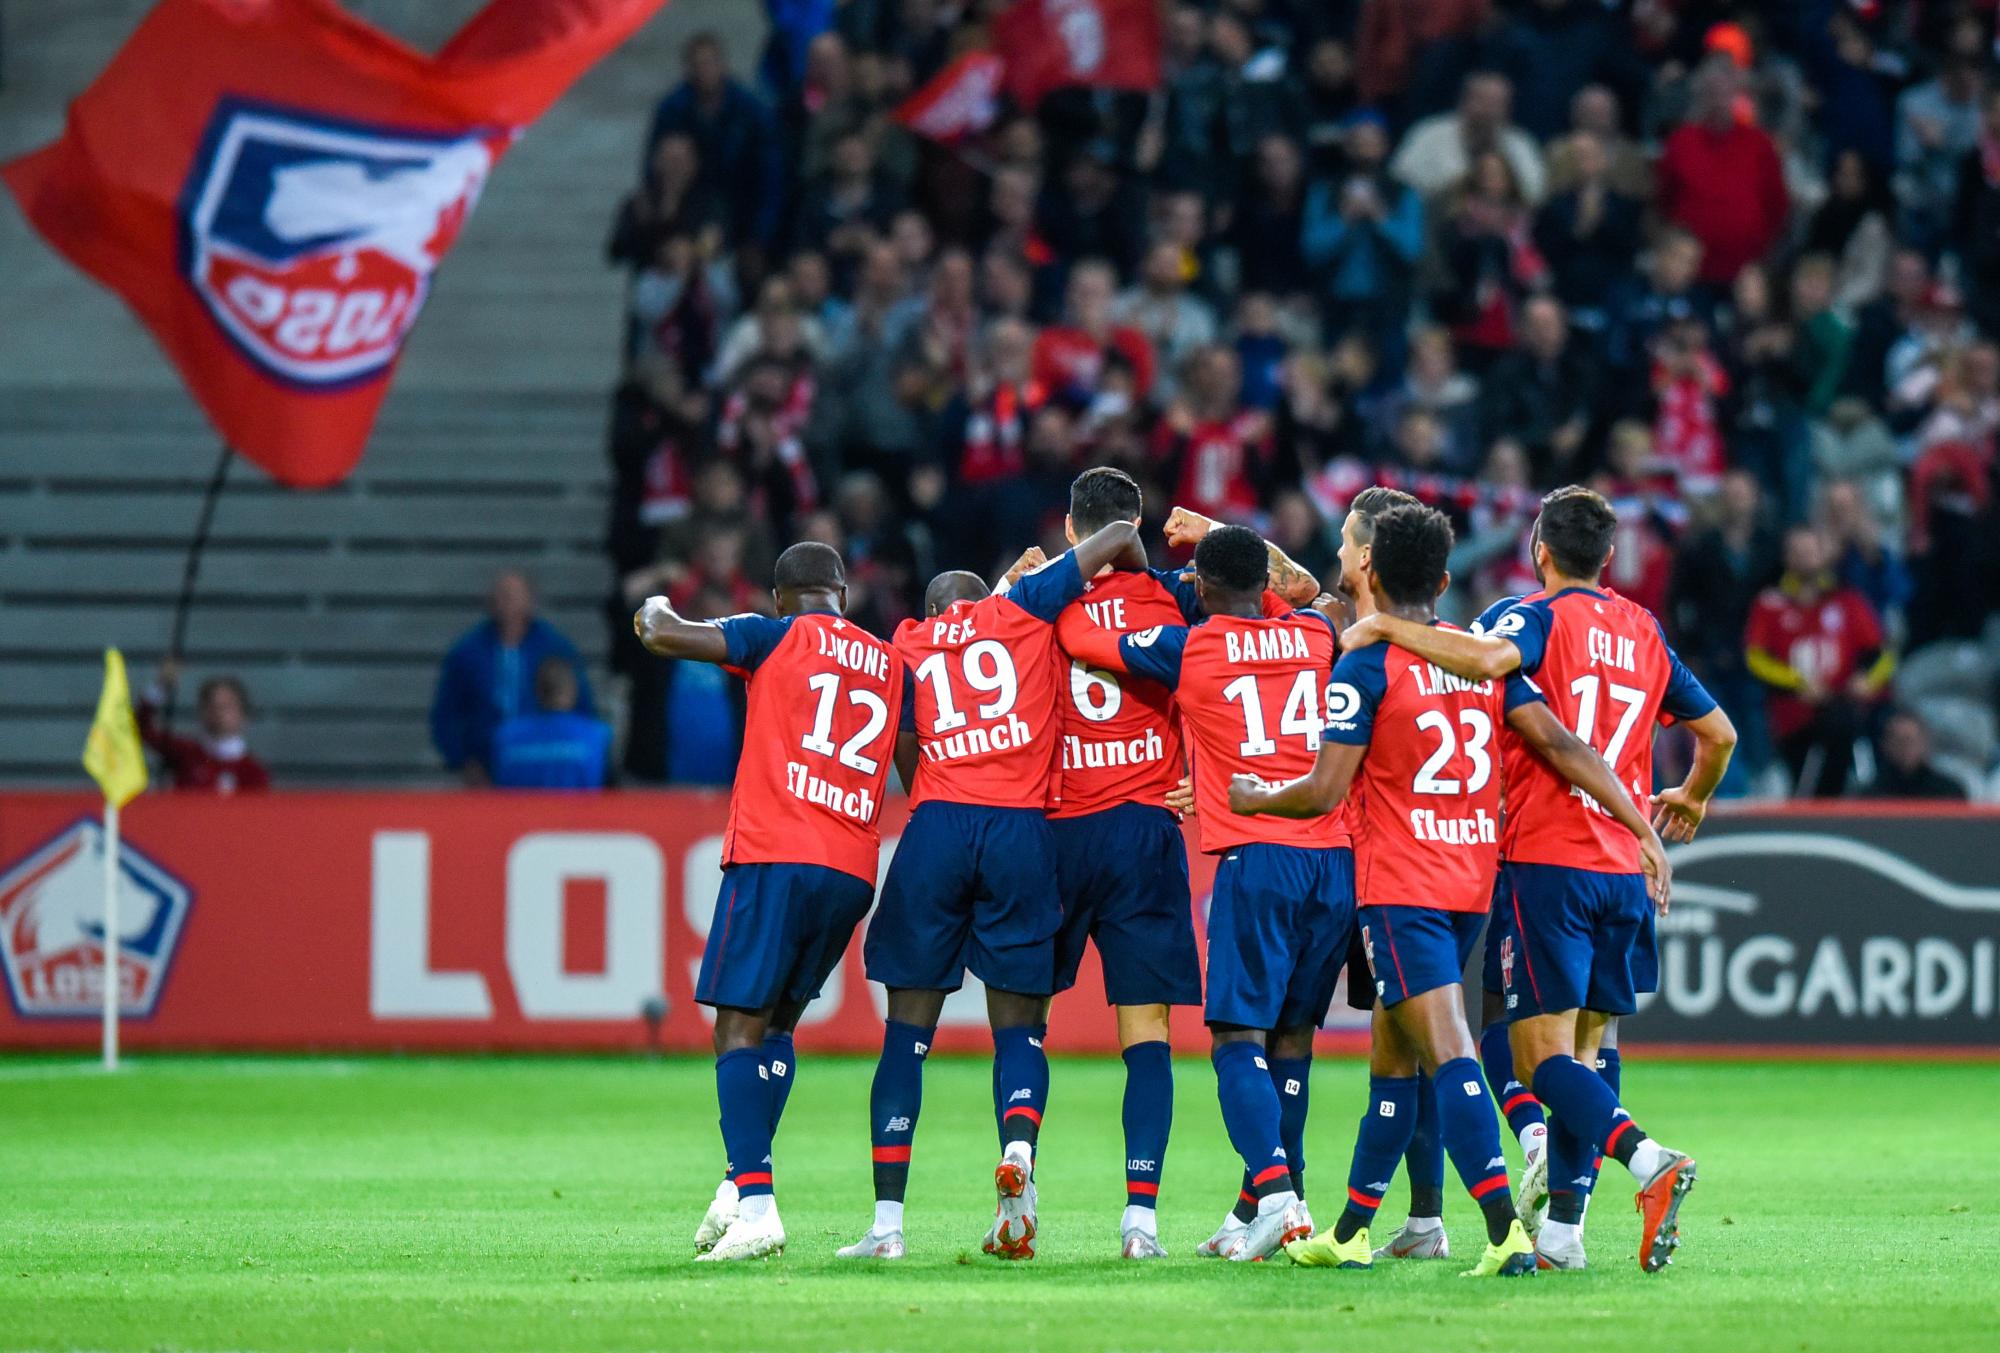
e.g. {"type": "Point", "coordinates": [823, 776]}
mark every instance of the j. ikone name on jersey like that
{"type": "Point", "coordinates": [858, 804]}
{"type": "Point", "coordinates": [861, 654]}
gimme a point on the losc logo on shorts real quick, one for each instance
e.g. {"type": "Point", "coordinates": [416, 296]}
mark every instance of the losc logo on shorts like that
{"type": "Point", "coordinates": [312, 242]}
{"type": "Point", "coordinates": [52, 926]}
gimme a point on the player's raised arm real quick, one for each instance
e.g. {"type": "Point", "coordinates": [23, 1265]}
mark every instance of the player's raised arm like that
{"type": "Point", "coordinates": [1576, 762]}
{"type": "Point", "coordinates": [1476, 657]}
{"type": "Point", "coordinates": [1117, 545]}
{"type": "Point", "coordinates": [665, 634]}
{"type": "Point", "coordinates": [1311, 795]}
{"type": "Point", "coordinates": [1292, 581]}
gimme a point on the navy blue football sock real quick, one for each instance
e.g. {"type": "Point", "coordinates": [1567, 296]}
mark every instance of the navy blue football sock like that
{"type": "Point", "coordinates": [894, 1101]}
{"type": "Point", "coordinates": [1424, 1160]}
{"type": "Point", "coordinates": [1023, 1071]}
{"type": "Point", "coordinates": [1250, 1113]}
{"type": "Point", "coordinates": [1149, 1116]}
{"type": "Point", "coordinates": [1245, 1210]}
{"type": "Point", "coordinates": [1517, 1102]}
{"type": "Point", "coordinates": [744, 1095]}
{"type": "Point", "coordinates": [1386, 1126]}
{"type": "Point", "coordinates": [1292, 1076]}
{"type": "Point", "coordinates": [1579, 1094]}
{"type": "Point", "coordinates": [1472, 1137]}
{"type": "Point", "coordinates": [1572, 1172]}
{"type": "Point", "coordinates": [1611, 1070]}
{"type": "Point", "coordinates": [781, 1064]}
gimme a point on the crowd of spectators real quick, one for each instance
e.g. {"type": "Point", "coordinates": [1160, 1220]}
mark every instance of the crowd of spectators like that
{"type": "Point", "coordinates": [1737, 265]}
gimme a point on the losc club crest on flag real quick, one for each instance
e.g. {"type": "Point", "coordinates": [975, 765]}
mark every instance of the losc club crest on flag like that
{"type": "Point", "coordinates": [312, 240]}
{"type": "Point", "coordinates": [52, 926]}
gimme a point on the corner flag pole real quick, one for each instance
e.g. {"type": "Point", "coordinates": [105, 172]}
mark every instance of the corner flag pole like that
{"type": "Point", "coordinates": [111, 983]}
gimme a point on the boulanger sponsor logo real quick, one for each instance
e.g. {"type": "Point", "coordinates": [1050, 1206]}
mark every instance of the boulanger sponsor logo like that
{"type": "Point", "coordinates": [52, 926]}
{"type": "Point", "coordinates": [1831, 935]}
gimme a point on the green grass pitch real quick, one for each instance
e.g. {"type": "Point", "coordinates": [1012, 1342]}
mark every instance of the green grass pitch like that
{"type": "Point", "coordinates": [548, 1204]}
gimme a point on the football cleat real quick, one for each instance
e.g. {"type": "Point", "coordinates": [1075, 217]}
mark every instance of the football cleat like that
{"type": "Point", "coordinates": [717, 1219]}
{"type": "Point", "coordinates": [1224, 1242]}
{"type": "Point", "coordinates": [1513, 1257]}
{"type": "Point", "coordinates": [1013, 1234]}
{"type": "Point", "coordinates": [1660, 1205]}
{"type": "Point", "coordinates": [1141, 1245]}
{"type": "Point", "coordinates": [1531, 1195]}
{"type": "Point", "coordinates": [1272, 1231]}
{"type": "Point", "coordinates": [1323, 1251]}
{"type": "Point", "coordinates": [748, 1238]}
{"type": "Point", "coordinates": [1408, 1244]}
{"type": "Point", "coordinates": [874, 1245]}
{"type": "Point", "coordinates": [1560, 1259]}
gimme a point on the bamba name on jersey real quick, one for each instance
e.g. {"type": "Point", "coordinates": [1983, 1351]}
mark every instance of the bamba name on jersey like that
{"type": "Point", "coordinates": [1269, 643]}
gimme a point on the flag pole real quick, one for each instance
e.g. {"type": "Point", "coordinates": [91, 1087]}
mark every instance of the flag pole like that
{"type": "Point", "coordinates": [191, 570]}
{"type": "Point", "coordinates": [112, 985]}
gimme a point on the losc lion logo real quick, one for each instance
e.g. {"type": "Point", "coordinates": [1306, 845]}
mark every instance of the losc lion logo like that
{"type": "Point", "coordinates": [312, 242]}
{"type": "Point", "coordinates": [52, 926]}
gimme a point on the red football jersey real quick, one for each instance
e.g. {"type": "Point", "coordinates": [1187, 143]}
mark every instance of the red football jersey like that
{"type": "Point", "coordinates": [988, 676]}
{"type": "Point", "coordinates": [1249, 695]}
{"type": "Point", "coordinates": [1425, 804]}
{"type": "Point", "coordinates": [1607, 674]}
{"type": "Point", "coordinates": [1121, 741]}
{"type": "Point", "coordinates": [825, 702]}
{"type": "Point", "coordinates": [1824, 639]}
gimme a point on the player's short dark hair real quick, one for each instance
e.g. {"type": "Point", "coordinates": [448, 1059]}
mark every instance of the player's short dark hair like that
{"type": "Point", "coordinates": [1233, 558]}
{"type": "Point", "coordinates": [1578, 525]}
{"type": "Point", "coordinates": [809, 566]}
{"type": "Point", "coordinates": [1103, 495]}
{"type": "Point", "coordinates": [949, 588]}
{"type": "Point", "coordinates": [1371, 503]}
{"type": "Point", "coordinates": [1412, 547]}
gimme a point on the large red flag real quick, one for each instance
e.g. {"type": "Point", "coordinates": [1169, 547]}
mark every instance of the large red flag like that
{"type": "Point", "coordinates": [270, 185]}
{"type": "Point", "coordinates": [959, 101]}
{"type": "Point", "coordinates": [1107, 44]}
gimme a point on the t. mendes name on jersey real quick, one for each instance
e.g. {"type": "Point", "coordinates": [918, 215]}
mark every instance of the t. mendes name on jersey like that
{"type": "Point", "coordinates": [858, 804]}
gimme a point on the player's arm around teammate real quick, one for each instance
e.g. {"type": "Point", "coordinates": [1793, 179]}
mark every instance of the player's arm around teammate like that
{"type": "Point", "coordinates": [1293, 581]}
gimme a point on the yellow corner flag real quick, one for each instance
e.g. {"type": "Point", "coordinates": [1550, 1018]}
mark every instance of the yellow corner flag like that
{"type": "Point", "coordinates": [112, 753]}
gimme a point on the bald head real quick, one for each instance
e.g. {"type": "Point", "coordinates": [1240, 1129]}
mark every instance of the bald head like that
{"type": "Point", "coordinates": [948, 589]}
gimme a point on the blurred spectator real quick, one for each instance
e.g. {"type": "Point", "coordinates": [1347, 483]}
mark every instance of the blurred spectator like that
{"type": "Point", "coordinates": [1363, 234]}
{"type": "Point", "coordinates": [1903, 768]}
{"type": "Point", "coordinates": [1092, 213]}
{"type": "Point", "coordinates": [1593, 114]}
{"type": "Point", "coordinates": [1719, 177]}
{"type": "Point", "coordinates": [1262, 348]}
{"type": "Point", "coordinates": [488, 676]}
{"type": "Point", "coordinates": [847, 206]}
{"type": "Point", "coordinates": [555, 747]}
{"type": "Point", "coordinates": [1852, 227]}
{"type": "Point", "coordinates": [1551, 49]}
{"type": "Point", "coordinates": [1862, 560]}
{"type": "Point", "coordinates": [673, 200]}
{"type": "Point", "coordinates": [1412, 53]}
{"type": "Point", "coordinates": [1937, 127]}
{"type": "Point", "coordinates": [1718, 572]}
{"type": "Point", "coordinates": [1589, 233]}
{"type": "Point", "coordinates": [1976, 224]}
{"type": "Point", "coordinates": [735, 140]}
{"type": "Point", "coordinates": [1671, 292]}
{"type": "Point", "coordinates": [1856, 82]}
{"type": "Point", "coordinates": [1689, 384]}
{"type": "Point", "coordinates": [1219, 108]}
{"type": "Point", "coordinates": [1880, 322]}
{"type": "Point", "coordinates": [1069, 358]}
{"type": "Point", "coordinates": [1267, 228]}
{"type": "Point", "coordinates": [701, 724]}
{"type": "Point", "coordinates": [1215, 454]}
{"type": "Point", "coordinates": [218, 760]}
{"type": "Point", "coordinates": [1818, 647]}
{"type": "Point", "coordinates": [1487, 259]}
{"type": "Point", "coordinates": [1160, 309]}
{"type": "Point", "coordinates": [1440, 151]}
{"type": "Point", "coordinates": [1328, 96]}
{"type": "Point", "coordinates": [1543, 395]}
{"type": "Point", "coordinates": [1765, 359]}
{"type": "Point", "coordinates": [1432, 382]}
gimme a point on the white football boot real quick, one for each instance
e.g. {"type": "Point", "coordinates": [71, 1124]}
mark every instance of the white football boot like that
{"type": "Point", "coordinates": [721, 1213]}
{"type": "Point", "coordinates": [1281, 1219]}
{"type": "Point", "coordinates": [1224, 1242]}
{"type": "Point", "coordinates": [1430, 1243]}
{"type": "Point", "coordinates": [748, 1237]}
{"type": "Point", "coordinates": [874, 1245]}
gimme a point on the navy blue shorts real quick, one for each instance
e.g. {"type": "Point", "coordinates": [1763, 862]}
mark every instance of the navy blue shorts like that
{"type": "Point", "coordinates": [970, 888]}
{"type": "Point", "coordinates": [779, 929]}
{"type": "Point", "coordinates": [1278, 926]}
{"type": "Point", "coordinates": [1412, 950]}
{"type": "Point", "coordinates": [1124, 879]}
{"type": "Point", "coordinates": [1500, 915]}
{"type": "Point", "coordinates": [1581, 940]}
